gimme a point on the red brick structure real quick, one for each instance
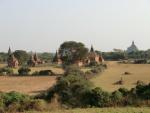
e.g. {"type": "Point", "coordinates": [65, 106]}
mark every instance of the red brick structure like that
{"type": "Point", "coordinates": [12, 61]}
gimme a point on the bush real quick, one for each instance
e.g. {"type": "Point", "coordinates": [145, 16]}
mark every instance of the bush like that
{"type": "Point", "coordinates": [94, 63]}
{"type": "Point", "coordinates": [46, 72]}
{"type": "Point", "coordinates": [16, 102]}
{"type": "Point", "coordinates": [13, 107]}
{"type": "Point", "coordinates": [73, 70]}
{"type": "Point", "coordinates": [96, 97]}
{"type": "Point", "coordinates": [38, 105]}
{"type": "Point", "coordinates": [117, 96]}
{"type": "Point", "coordinates": [70, 89]}
{"type": "Point", "coordinates": [127, 73]}
{"type": "Point", "coordinates": [35, 73]}
{"type": "Point", "coordinates": [6, 71]}
{"type": "Point", "coordinates": [124, 91]}
{"type": "Point", "coordinates": [24, 71]}
{"type": "Point", "coordinates": [143, 91]}
{"type": "Point", "coordinates": [95, 70]}
{"type": "Point", "coordinates": [13, 97]}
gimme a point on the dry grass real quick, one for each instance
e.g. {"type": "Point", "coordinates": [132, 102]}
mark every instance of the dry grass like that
{"type": "Point", "coordinates": [115, 71]}
{"type": "Point", "coordinates": [101, 110]}
{"type": "Point", "coordinates": [32, 85]}
{"type": "Point", "coordinates": [2, 65]}
{"type": "Point", "coordinates": [28, 85]}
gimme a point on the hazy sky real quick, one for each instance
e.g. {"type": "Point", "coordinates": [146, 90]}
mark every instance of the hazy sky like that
{"type": "Point", "coordinates": [42, 25]}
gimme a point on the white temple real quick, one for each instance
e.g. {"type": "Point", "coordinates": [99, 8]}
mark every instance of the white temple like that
{"type": "Point", "coordinates": [132, 48]}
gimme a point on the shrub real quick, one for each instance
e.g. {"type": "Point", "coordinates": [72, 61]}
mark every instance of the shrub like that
{"type": "Point", "coordinates": [94, 63]}
{"type": "Point", "coordinates": [24, 71]}
{"type": "Point", "coordinates": [99, 98]}
{"type": "Point", "coordinates": [16, 102]}
{"type": "Point", "coordinates": [38, 105]}
{"type": "Point", "coordinates": [35, 73]}
{"type": "Point", "coordinates": [70, 89]}
{"type": "Point", "coordinates": [143, 91]}
{"type": "Point", "coordinates": [13, 107]}
{"type": "Point", "coordinates": [95, 70]}
{"type": "Point", "coordinates": [13, 97]}
{"type": "Point", "coordinates": [124, 91]}
{"type": "Point", "coordinates": [88, 73]}
{"type": "Point", "coordinates": [73, 70]}
{"type": "Point", "coordinates": [6, 71]}
{"type": "Point", "coordinates": [117, 95]}
{"type": "Point", "coordinates": [46, 72]}
{"type": "Point", "coordinates": [139, 82]}
{"type": "Point", "coordinates": [127, 73]}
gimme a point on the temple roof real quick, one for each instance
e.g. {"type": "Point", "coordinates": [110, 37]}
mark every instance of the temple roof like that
{"type": "Point", "coordinates": [132, 48]}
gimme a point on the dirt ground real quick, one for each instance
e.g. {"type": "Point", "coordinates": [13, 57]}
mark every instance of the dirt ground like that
{"type": "Point", "coordinates": [28, 85]}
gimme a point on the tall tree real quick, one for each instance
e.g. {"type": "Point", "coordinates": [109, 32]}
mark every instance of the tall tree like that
{"type": "Point", "coordinates": [22, 56]}
{"type": "Point", "coordinates": [72, 51]}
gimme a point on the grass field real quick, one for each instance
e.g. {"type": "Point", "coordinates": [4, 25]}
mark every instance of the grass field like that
{"type": "Point", "coordinates": [106, 80]}
{"type": "Point", "coordinates": [33, 69]}
{"type": "Point", "coordinates": [115, 71]}
{"type": "Point", "coordinates": [101, 110]}
{"type": "Point", "coordinates": [28, 85]}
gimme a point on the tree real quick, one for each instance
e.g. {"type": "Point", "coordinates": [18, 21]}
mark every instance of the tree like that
{"type": "Point", "coordinates": [72, 51]}
{"type": "Point", "coordinates": [22, 56]}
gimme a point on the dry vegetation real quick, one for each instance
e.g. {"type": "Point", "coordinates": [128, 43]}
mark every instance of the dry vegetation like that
{"type": "Point", "coordinates": [25, 84]}
{"type": "Point", "coordinates": [101, 110]}
{"type": "Point", "coordinates": [54, 69]}
{"type": "Point", "coordinates": [115, 71]}
{"type": "Point", "coordinates": [29, 84]}
{"type": "Point", "coordinates": [33, 85]}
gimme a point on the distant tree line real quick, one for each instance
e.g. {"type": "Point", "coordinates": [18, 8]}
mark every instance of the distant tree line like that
{"type": "Point", "coordinates": [124, 55]}
{"type": "Point", "coordinates": [24, 56]}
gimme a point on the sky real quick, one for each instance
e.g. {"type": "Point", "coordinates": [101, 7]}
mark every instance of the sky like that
{"type": "Point", "coordinates": [42, 25]}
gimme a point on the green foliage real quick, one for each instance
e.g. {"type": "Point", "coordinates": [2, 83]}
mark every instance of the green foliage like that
{"type": "Point", "coordinates": [124, 91]}
{"type": "Point", "coordinates": [96, 97]}
{"type": "Point", "coordinates": [73, 70]}
{"type": "Point", "coordinates": [47, 57]}
{"type": "Point", "coordinates": [72, 51]}
{"type": "Point", "coordinates": [117, 96]}
{"type": "Point", "coordinates": [37, 104]}
{"type": "Point", "coordinates": [16, 102]}
{"type": "Point", "coordinates": [3, 57]}
{"type": "Point", "coordinates": [97, 69]}
{"type": "Point", "coordinates": [113, 55]}
{"type": "Point", "coordinates": [13, 97]}
{"type": "Point", "coordinates": [143, 91]}
{"type": "Point", "coordinates": [22, 56]}
{"type": "Point", "coordinates": [6, 71]}
{"type": "Point", "coordinates": [94, 63]}
{"type": "Point", "coordinates": [70, 87]}
{"type": "Point", "coordinates": [35, 73]}
{"type": "Point", "coordinates": [24, 71]}
{"type": "Point", "coordinates": [46, 72]}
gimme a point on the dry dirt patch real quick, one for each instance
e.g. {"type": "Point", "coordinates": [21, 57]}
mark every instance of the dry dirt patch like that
{"type": "Point", "coordinates": [26, 84]}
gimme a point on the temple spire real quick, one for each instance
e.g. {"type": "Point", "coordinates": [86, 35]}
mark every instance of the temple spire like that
{"type": "Point", "coordinates": [133, 43]}
{"type": "Point", "coordinates": [9, 51]}
{"type": "Point", "coordinates": [55, 59]}
{"type": "Point", "coordinates": [92, 49]}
